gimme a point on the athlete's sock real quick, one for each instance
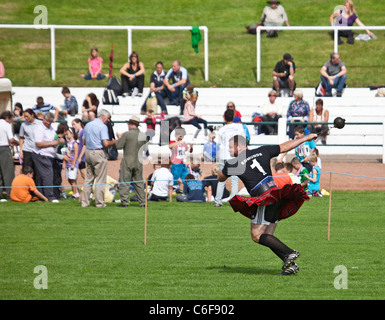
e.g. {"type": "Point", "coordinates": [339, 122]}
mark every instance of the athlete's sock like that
{"type": "Point", "coordinates": [276, 245]}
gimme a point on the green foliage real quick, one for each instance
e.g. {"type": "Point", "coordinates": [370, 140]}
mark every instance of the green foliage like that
{"type": "Point", "coordinates": [193, 251]}
{"type": "Point", "coordinates": [26, 53]}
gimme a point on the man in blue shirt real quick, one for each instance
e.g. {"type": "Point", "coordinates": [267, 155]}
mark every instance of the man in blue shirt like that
{"type": "Point", "coordinates": [94, 139]}
{"type": "Point", "coordinates": [180, 80]}
{"type": "Point", "coordinates": [45, 107]}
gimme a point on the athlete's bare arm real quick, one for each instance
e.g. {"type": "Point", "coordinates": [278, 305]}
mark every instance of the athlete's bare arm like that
{"type": "Point", "coordinates": [291, 144]}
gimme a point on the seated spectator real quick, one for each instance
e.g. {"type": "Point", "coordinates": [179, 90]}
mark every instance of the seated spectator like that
{"type": "Point", "coordinates": [70, 103]}
{"type": "Point", "coordinates": [193, 191]}
{"type": "Point", "coordinates": [90, 107]}
{"type": "Point", "coordinates": [110, 191]}
{"type": "Point", "coordinates": [196, 171]}
{"type": "Point", "coordinates": [24, 188]}
{"type": "Point", "coordinates": [333, 75]}
{"type": "Point", "coordinates": [95, 65]}
{"type": "Point", "coordinates": [211, 183]}
{"type": "Point", "coordinates": [346, 17]}
{"type": "Point", "coordinates": [191, 117]}
{"type": "Point", "coordinates": [280, 177]}
{"type": "Point", "coordinates": [231, 106]}
{"type": "Point", "coordinates": [45, 107]}
{"type": "Point", "coordinates": [132, 75]}
{"type": "Point", "coordinates": [210, 149]}
{"type": "Point", "coordinates": [300, 171]}
{"type": "Point", "coordinates": [162, 182]}
{"type": "Point", "coordinates": [319, 114]}
{"type": "Point", "coordinates": [298, 111]}
{"type": "Point", "coordinates": [245, 129]}
{"type": "Point", "coordinates": [179, 78]}
{"type": "Point", "coordinates": [157, 88]}
{"type": "Point", "coordinates": [283, 75]}
{"type": "Point", "coordinates": [186, 96]}
{"type": "Point", "coordinates": [272, 110]}
{"type": "Point", "coordinates": [273, 15]}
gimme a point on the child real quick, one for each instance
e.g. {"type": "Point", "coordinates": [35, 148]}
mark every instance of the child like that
{"type": "Point", "coordinates": [196, 171]}
{"type": "Point", "coordinates": [24, 188]}
{"type": "Point", "coordinates": [71, 166]}
{"type": "Point", "coordinates": [94, 66]}
{"type": "Point", "coordinates": [210, 149]}
{"type": "Point", "coordinates": [313, 184]}
{"type": "Point", "coordinates": [70, 103]}
{"type": "Point", "coordinates": [186, 96]}
{"type": "Point", "coordinates": [247, 133]}
{"type": "Point", "coordinates": [303, 151]}
{"type": "Point", "coordinates": [300, 171]}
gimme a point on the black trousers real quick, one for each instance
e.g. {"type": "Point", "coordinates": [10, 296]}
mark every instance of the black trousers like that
{"type": "Point", "coordinates": [44, 167]}
{"type": "Point", "coordinates": [128, 85]}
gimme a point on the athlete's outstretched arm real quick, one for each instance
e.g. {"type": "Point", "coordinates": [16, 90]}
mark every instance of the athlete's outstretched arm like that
{"type": "Point", "coordinates": [291, 144]}
{"type": "Point", "coordinates": [221, 177]}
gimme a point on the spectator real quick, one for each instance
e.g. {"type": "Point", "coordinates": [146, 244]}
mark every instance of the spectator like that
{"type": "Point", "coordinates": [333, 75]}
{"type": "Point", "coordinates": [110, 190]}
{"type": "Point", "coordinates": [77, 124]}
{"type": "Point", "coordinates": [321, 115]}
{"type": "Point", "coordinates": [24, 188]}
{"type": "Point", "coordinates": [210, 149]}
{"type": "Point", "coordinates": [157, 88]}
{"type": "Point", "coordinates": [95, 65]}
{"type": "Point", "coordinates": [313, 187]}
{"type": "Point", "coordinates": [162, 181]}
{"type": "Point", "coordinates": [72, 164]}
{"type": "Point", "coordinates": [90, 107]}
{"type": "Point", "coordinates": [303, 151]}
{"type": "Point", "coordinates": [178, 156]}
{"type": "Point", "coordinates": [59, 157]}
{"type": "Point", "coordinates": [245, 129]}
{"type": "Point", "coordinates": [132, 75]}
{"type": "Point", "coordinates": [2, 70]}
{"type": "Point", "coordinates": [131, 167]}
{"type": "Point", "coordinates": [186, 96]}
{"type": "Point", "coordinates": [283, 75]}
{"type": "Point", "coordinates": [191, 117]}
{"type": "Point", "coordinates": [70, 103]}
{"type": "Point", "coordinates": [272, 110]}
{"type": "Point", "coordinates": [43, 155]}
{"type": "Point", "coordinates": [229, 130]}
{"type": "Point", "coordinates": [7, 168]}
{"type": "Point", "coordinates": [298, 111]}
{"type": "Point", "coordinates": [179, 78]}
{"type": "Point", "coordinates": [17, 117]}
{"type": "Point", "coordinates": [300, 171]}
{"type": "Point", "coordinates": [193, 190]}
{"type": "Point", "coordinates": [195, 170]}
{"type": "Point", "coordinates": [346, 17]}
{"type": "Point", "coordinates": [273, 15]}
{"type": "Point", "coordinates": [211, 183]}
{"type": "Point", "coordinates": [45, 107]}
{"type": "Point", "coordinates": [27, 139]}
{"type": "Point", "coordinates": [281, 178]}
{"type": "Point", "coordinates": [231, 106]}
{"type": "Point", "coordinates": [95, 138]}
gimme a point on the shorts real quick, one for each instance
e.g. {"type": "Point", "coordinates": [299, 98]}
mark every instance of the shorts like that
{"type": "Point", "coordinates": [82, 165]}
{"type": "Point", "coordinates": [267, 214]}
{"type": "Point", "coordinates": [71, 174]}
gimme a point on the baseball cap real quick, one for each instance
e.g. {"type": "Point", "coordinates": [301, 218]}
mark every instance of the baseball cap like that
{"type": "Point", "coordinates": [288, 57]}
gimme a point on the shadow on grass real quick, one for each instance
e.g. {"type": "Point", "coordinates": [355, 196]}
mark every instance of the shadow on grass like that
{"type": "Point", "coordinates": [245, 270]}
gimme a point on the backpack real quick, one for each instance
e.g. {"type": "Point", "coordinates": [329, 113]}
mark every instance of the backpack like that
{"type": "Point", "coordinates": [112, 151]}
{"type": "Point", "coordinates": [109, 97]}
{"type": "Point", "coordinates": [115, 84]}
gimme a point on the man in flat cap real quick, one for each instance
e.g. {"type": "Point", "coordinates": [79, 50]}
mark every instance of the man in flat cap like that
{"type": "Point", "coordinates": [131, 167]}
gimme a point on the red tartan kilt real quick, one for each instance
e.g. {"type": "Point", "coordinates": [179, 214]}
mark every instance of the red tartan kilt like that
{"type": "Point", "coordinates": [291, 196]}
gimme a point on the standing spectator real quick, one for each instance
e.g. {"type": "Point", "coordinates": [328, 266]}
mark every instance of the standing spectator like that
{"type": "Point", "coordinates": [157, 88]}
{"type": "Point", "coordinates": [191, 117]}
{"type": "Point", "coordinates": [304, 150]}
{"type": "Point", "coordinates": [95, 65]}
{"type": "Point", "coordinates": [71, 166]}
{"type": "Point", "coordinates": [43, 155]}
{"type": "Point", "coordinates": [95, 138]}
{"type": "Point", "coordinates": [210, 149]}
{"type": "Point", "coordinates": [180, 80]}
{"type": "Point", "coordinates": [273, 15]}
{"type": "Point", "coordinates": [281, 178]}
{"type": "Point", "coordinates": [313, 187]}
{"type": "Point", "coordinates": [178, 156]}
{"type": "Point", "coordinates": [283, 75]}
{"type": "Point", "coordinates": [229, 130]}
{"type": "Point", "coordinates": [193, 190]}
{"type": "Point", "coordinates": [70, 103]}
{"type": "Point", "coordinates": [333, 75]}
{"type": "Point", "coordinates": [132, 75]}
{"type": "Point", "coordinates": [78, 125]}
{"type": "Point", "coordinates": [319, 114]}
{"type": "Point", "coordinates": [17, 117]}
{"type": "Point", "coordinates": [45, 107]}
{"type": "Point", "coordinates": [7, 168]}
{"type": "Point", "coordinates": [272, 110]}
{"type": "Point", "coordinates": [162, 181]}
{"type": "Point", "coordinates": [300, 171]}
{"type": "Point", "coordinates": [131, 167]}
{"type": "Point", "coordinates": [59, 157]}
{"type": "Point", "coordinates": [27, 139]}
{"type": "Point", "coordinates": [245, 129]}
{"type": "Point", "coordinates": [24, 188]}
{"type": "Point", "coordinates": [298, 111]}
{"type": "Point", "coordinates": [90, 107]}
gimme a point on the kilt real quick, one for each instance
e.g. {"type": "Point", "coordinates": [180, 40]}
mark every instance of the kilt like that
{"type": "Point", "coordinates": [291, 196]}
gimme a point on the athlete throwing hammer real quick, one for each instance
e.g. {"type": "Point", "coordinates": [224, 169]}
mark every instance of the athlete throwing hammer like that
{"type": "Point", "coordinates": [268, 204]}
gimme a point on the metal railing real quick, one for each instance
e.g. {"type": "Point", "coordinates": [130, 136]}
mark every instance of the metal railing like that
{"type": "Point", "coordinates": [305, 28]}
{"type": "Point", "coordinates": [129, 37]}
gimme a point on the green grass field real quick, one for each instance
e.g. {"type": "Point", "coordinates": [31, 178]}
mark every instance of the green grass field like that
{"type": "Point", "coordinates": [193, 252]}
{"type": "Point", "coordinates": [26, 53]}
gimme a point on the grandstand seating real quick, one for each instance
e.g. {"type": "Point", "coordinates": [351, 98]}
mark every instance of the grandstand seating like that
{"type": "Point", "coordinates": [358, 105]}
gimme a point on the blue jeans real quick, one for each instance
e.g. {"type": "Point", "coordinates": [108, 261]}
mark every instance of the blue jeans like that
{"type": "Point", "coordinates": [175, 97]}
{"type": "Point", "coordinates": [339, 84]}
{"type": "Point", "coordinates": [160, 96]}
{"type": "Point", "coordinates": [196, 122]}
{"type": "Point", "coordinates": [99, 77]}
